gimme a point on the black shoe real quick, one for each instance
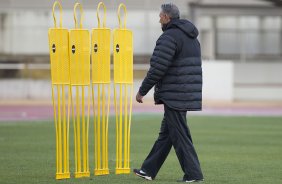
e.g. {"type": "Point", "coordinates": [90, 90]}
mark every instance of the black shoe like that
{"type": "Point", "coordinates": [190, 181]}
{"type": "Point", "coordinates": [142, 174]}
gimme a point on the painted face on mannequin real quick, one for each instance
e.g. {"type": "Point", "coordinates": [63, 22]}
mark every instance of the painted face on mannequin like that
{"type": "Point", "coordinates": [164, 18]}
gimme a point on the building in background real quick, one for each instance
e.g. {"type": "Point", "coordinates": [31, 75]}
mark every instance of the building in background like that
{"type": "Point", "coordinates": [241, 42]}
{"type": "Point", "coordinates": [243, 31]}
{"type": "Point", "coordinates": [249, 34]}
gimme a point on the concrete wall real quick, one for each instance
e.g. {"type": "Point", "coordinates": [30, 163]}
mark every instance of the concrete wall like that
{"type": "Point", "coordinates": [222, 81]}
{"type": "Point", "coordinates": [258, 81]}
{"type": "Point", "coordinates": [218, 80]}
{"type": "Point", "coordinates": [18, 89]}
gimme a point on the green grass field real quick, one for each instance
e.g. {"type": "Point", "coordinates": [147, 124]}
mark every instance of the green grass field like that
{"type": "Point", "coordinates": [231, 150]}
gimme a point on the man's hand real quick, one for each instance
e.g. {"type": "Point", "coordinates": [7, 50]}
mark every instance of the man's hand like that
{"type": "Point", "coordinates": [139, 98]}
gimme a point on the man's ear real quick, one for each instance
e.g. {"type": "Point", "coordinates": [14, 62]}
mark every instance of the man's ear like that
{"type": "Point", "coordinates": [167, 17]}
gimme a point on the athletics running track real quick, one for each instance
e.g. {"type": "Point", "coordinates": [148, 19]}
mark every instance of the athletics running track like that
{"type": "Point", "coordinates": [37, 111]}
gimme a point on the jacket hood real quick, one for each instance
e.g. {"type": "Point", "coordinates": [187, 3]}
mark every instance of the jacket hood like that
{"type": "Point", "coordinates": [184, 25]}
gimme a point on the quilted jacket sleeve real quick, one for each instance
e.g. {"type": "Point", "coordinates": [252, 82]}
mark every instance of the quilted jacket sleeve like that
{"type": "Point", "coordinates": [160, 61]}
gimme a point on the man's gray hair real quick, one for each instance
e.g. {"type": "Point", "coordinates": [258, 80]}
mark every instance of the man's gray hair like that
{"type": "Point", "coordinates": [171, 10]}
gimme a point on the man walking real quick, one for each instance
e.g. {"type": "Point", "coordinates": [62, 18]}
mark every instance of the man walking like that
{"type": "Point", "coordinates": [175, 71]}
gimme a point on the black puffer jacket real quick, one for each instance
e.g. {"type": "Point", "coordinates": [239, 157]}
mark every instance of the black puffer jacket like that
{"type": "Point", "coordinates": [175, 68]}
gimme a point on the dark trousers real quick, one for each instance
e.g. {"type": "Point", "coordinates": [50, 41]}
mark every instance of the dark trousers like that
{"type": "Point", "coordinates": [174, 132]}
